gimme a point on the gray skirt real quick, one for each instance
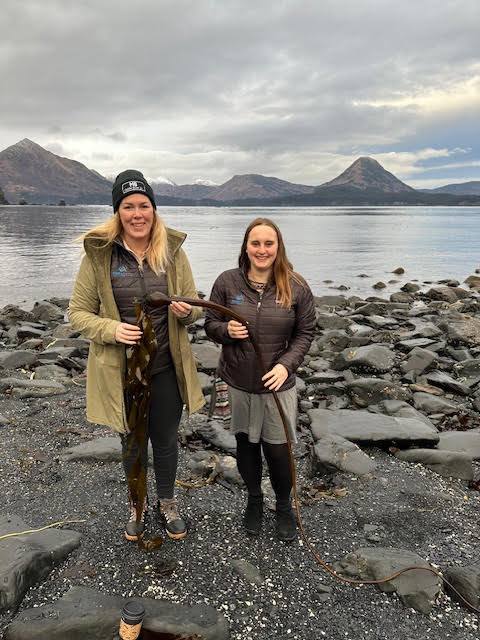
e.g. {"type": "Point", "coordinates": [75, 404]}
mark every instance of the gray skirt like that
{"type": "Point", "coordinates": [257, 415]}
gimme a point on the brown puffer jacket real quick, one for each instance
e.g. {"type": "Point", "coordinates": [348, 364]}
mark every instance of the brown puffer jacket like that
{"type": "Point", "coordinates": [284, 335]}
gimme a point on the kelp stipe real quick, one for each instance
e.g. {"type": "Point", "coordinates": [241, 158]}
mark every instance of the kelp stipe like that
{"type": "Point", "coordinates": [137, 403]}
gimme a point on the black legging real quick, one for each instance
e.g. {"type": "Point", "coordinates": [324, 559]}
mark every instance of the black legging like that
{"type": "Point", "coordinates": [249, 463]}
{"type": "Point", "coordinates": [164, 417]}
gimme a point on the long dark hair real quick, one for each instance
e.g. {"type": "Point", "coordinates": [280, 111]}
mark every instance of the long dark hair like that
{"type": "Point", "coordinates": [282, 267]}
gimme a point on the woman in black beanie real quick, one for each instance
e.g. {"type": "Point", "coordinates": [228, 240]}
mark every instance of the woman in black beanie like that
{"type": "Point", "coordinates": [128, 256]}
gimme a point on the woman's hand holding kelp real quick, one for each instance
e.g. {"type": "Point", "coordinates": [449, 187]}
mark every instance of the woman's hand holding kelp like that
{"type": "Point", "coordinates": [180, 309]}
{"type": "Point", "coordinates": [127, 333]}
{"type": "Point", "coordinates": [237, 330]}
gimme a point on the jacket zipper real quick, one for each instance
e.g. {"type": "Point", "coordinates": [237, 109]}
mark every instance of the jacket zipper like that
{"type": "Point", "coordinates": [142, 279]}
{"type": "Point", "coordinates": [257, 330]}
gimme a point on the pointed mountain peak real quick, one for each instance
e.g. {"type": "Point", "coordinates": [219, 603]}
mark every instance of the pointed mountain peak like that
{"type": "Point", "coordinates": [366, 173]}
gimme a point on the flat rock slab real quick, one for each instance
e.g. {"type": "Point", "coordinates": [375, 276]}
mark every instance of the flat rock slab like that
{"type": "Point", "coordinates": [214, 433]}
{"type": "Point", "coordinates": [417, 588]}
{"type": "Point", "coordinates": [17, 359]}
{"type": "Point", "coordinates": [465, 330]}
{"type": "Point", "coordinates": [366, 391]}
{"type": "Point", "coordinates": [462, 441]}
{"type": "Point", "coordinates": [334, 453]}
{"type": "Point", "coordinates": [101, 449]}
{"type": "Point", "coordinates": [32, 387]}
{"type": "Point", "coordinates": [466, 580]}
{"type": "Point", "coordinates": [446, 463]}
{"type": "Point", "coordinates": [247, 571]}
{"type": "Point", "coordinates": [371, 357]}
{"type": "Point", "coordinates": [419, 360]}
{"type": "Point", "coordinates": [432, 404]}
{"type": "Point", "coordinates": [98, 450]}
{"type": "Point", "coordinates": [365, 427]}
{"type": "Point", "coordinates": [86, 613]}
{"type": "Point", "coordinates": [444, 381]}
{"type": "Point", "coordinates": [27, 559]}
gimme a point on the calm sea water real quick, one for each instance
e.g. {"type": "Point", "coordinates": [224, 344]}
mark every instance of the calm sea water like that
{"type": "Point", "coordinates": [38, 258]}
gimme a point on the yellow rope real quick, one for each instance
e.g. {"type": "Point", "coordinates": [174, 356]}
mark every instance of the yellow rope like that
{"type": "Point", "coordinates": [48, 526]}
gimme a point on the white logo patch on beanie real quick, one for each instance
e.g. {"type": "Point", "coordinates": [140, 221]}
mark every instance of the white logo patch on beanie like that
{"type": "Point", "coordinates": [133, 185]}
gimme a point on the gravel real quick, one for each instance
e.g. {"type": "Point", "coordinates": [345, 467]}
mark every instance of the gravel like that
{"type": "Point", "coordinates": [401, 505]}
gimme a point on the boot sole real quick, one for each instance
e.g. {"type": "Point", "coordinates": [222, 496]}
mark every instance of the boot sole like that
{"type": "Point", "coordinates": [131, 538]}
{"type": "Point", "coordinates": [176, 536]}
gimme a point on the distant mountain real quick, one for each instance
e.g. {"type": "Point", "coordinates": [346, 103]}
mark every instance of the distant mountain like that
{"type": "Point", "coordinates": [350, 196]}
{"type": "Point", "coordinates": [237, 188]}
{"type": "Point", "coordinates": [367, 173]}
{"type": "Point", "coordinates": [253, 185]}
{"type": "Point", "coordinates": [3, 200]}
{"type": "Point", "coordinates": [189, 191]}
{"type": "Point", "coordinates": [460, 188]}
{"type": "Point", "coordinates": [29, 171]}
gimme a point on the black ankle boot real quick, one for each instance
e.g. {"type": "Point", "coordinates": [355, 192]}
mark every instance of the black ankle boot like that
{"type": "Point", "coordinates": [285, 523]}
{"type": "Point", "coordinates": [252, 518]}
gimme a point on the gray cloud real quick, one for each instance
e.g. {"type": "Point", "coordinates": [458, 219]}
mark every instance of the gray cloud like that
{"type": "Point", "coordinates": [211, 88]}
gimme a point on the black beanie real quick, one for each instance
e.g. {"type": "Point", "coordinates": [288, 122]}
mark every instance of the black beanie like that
{"type": "Point", "coordinates": [128, 182]}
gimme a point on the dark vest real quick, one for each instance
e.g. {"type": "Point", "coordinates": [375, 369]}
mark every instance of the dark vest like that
{"type": "Point", "coordinates": [131, 280]}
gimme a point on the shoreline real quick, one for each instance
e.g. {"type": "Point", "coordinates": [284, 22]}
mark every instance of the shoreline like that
{"type": "Point", "coordinates": [388, 451]}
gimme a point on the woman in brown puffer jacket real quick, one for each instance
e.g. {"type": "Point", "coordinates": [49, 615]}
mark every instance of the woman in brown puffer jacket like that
{"type": "Point", "coordinates": [279, 307]}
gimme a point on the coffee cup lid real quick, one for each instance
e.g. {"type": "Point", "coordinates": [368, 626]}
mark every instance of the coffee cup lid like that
{"type": "Point", "coordinates": [133, 612]}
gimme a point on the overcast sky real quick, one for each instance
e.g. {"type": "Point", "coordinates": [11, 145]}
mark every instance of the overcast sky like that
{"type": "Point", "coordinates": [204, 89]}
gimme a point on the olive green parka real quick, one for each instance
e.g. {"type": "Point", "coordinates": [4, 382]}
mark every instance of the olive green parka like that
{"type": "Point", "coordinates": [93, 312]}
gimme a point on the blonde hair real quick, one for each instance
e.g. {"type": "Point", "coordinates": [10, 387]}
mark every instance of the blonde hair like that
{"type": "Point", "coordinates": [156, 255]}
{"type": "Point", "coordinates": [282, 271]}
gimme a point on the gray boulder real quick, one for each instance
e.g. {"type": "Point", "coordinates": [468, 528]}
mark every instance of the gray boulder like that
{"type": "Point", "coordinates": [330, 301]}
{"type": "Point", "coordinates": [334, 453]}
{"type": "Point", "coordinates": [411, 343]}
{"type": "Point", "coordinates": [17, 359]}
{"type": "Point", "coordinates": [446, 463]}
{"type": "Point", "coordinates": [51, 372]}
{"type": "Point", "coordinates": [445, 381]}
{"type": "Point", "coordinates": [25, 332]}
{"type": "Point", "coordinates": [214, 433]}
{"type": "Point", "coordinates": [98, 450]}
{"type": "Point", "coordinates": [27, 559]}
{"type": "Point", "coordinates": [366, 391]}
{"type": "Point", "coordinates": [468, 368]}
{"type": "Point", "coordinates": [47, 312]}
{"type": "Point", "coordinates": [463, 441]}
{"type": "Point", "coordinates": [11, 315]}
{"type": "Point", "coordinates": [466, 580]}
{"type": "Point", "coordinates": [372, 357]}
{"type": "Point", "coordinates": [419, 360]}
{"type": "Point", "coordinates": [433, 404]}
{"type": "Point", "coordinates": [86, 613]}
{"type": "Point", "coordinates": [416, 588]}
{"type": "Point", "coordinates": [462, 329]}
{"type": "Point", "coordinates": [446, 294]}
{"type": "Point", "coordinates": [332, 321]}
{"type": "Point", "coordinates": [25, 388]}
{"type": "Point", "coordinates": [370, 428]}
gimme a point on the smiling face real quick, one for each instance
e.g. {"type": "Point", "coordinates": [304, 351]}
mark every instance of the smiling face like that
{"type": "Point", "coordinates": [262, 247]}
{"type": "Point", "coordinates": [136, 215]}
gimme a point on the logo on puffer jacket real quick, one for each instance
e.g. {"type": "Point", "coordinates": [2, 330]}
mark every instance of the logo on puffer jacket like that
{"type": "Point", "coordinates": [238, 299]}
{"type": "Point", "coordinates": [121, 272]}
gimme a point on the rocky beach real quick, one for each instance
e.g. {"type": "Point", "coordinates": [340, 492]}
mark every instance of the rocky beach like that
{"type": "Point", "coordinates": [387, 474]}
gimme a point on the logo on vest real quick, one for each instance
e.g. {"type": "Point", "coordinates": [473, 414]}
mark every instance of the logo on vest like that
{"type": "Point", "coordinates": [133, 185]}
{"type": "Point", "coordinates": [121, 272]}
{"type": "Point", "coordinates": [238, 299]}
